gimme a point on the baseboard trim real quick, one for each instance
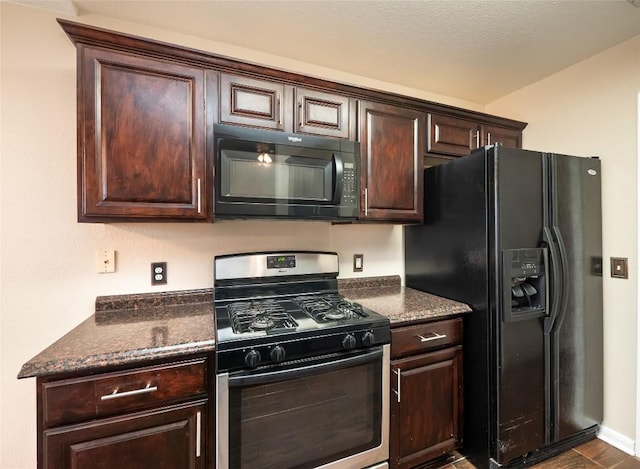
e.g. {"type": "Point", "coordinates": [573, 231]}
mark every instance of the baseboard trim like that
{"type": "Point", "coordinates": [623, 443]}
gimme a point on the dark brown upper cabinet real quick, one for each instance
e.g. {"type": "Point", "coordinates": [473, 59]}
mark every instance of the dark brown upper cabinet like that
{"type": "Point", "coordinates": [391, 177]}
{"type": "Point", "coordinates": [256, 103]}
{"type": "Point", "coordinates": [455, 136]}
{"type": "Point", "coordinates": [327, 114]}
{"type": "Point", "coordinates": [274, 105]}
{"type": "Point", "coordinates": [146, 111]}
{"type": "Point", "coordinates": [141, 145]}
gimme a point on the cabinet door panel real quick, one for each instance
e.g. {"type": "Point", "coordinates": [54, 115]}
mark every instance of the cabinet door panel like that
{"type": "Point", "coordinates": [171, 438]}
{"type": "Point", "coordinates": [247, 101]}
{"type": "Point", "coordinates": [426, 422]}
{"type": "Point", "coordinates": [507, 137]}
{"type": "Point", "coordinates": [391, 176]}
{"type": "Point", "coordinates": [452, 136]}
{"type": "Point", "coordinates": [142, 152]}
{"type": "Point", "coordinates": [322, 113]}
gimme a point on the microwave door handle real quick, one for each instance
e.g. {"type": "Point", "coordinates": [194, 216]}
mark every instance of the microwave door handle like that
{"type": "Point", "coordinates": [337, 184]}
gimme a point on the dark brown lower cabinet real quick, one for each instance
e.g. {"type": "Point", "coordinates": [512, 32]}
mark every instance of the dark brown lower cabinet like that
{"type": "Point", "coordinates": [147, 417]}
{"type": "Point", "coordinates": [426, 398]}
{"type": "Point", "coordinates": [170, 438]}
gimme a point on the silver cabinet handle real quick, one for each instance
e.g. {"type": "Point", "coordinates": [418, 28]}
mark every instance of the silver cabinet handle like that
{"type": "Point", "coordinates": [115, 394]}
{"type": "Point", "coordinates": [199, 195]}
{"type": "Point", "coordinates": [478, 138]}
{"type": "Point", "coordinates": [488, 138]}
{"type": "Point", "coordinates": [198, 434]}
{"type": "Point", "coordinates": [366, 202]}
{"type": "Point", "coordinates": [397, 391]}
{"type": "Point", "coordinates": [435, 336]}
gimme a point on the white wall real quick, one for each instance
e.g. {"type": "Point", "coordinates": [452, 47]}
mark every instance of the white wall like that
{"type": "Point", "coordinates": [590, 109]}
{"type": "Point", "coordinates": [48, 282]}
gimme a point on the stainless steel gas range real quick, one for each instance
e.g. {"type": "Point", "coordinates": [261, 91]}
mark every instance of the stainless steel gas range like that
{"type": "Point", "coordinates": [302, 372]}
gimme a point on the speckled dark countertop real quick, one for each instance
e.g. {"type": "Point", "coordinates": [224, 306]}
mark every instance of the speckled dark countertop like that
{"type": "Point", "coordinates": [130, 329]}
{"type": "Point", "coordinates": [401, 305]}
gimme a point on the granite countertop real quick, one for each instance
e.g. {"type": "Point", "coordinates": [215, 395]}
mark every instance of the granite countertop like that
{"type": "Point", "coordinates": [131, 329]}
{"type": "Point", "coordinates": [402, 305]}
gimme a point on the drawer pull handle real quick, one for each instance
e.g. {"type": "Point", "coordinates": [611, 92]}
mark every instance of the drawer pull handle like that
{"type": "Point", "coordinates": [435, 336]}
{"type": "Point", "coordinates": [115, 394]}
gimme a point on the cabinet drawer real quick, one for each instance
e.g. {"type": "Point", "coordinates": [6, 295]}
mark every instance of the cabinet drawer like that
{"type": "Point", "coordinates": [428, 336]}
{"type": "Point", "coordinates": [77, 399]}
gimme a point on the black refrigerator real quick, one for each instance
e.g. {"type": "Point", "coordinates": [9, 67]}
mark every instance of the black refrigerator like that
{"type": "Point", "coordinates": [517, 235]}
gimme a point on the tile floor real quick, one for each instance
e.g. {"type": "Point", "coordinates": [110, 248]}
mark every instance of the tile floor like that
{"type": "Point", "coordinates": [595, 454]}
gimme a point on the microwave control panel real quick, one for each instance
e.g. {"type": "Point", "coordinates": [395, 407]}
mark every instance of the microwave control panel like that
{"type": "Point", "coordinates": [350, 187]}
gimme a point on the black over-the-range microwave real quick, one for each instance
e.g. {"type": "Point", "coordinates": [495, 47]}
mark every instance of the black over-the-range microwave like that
{"type": "Point", "coordinates": [271, 174]}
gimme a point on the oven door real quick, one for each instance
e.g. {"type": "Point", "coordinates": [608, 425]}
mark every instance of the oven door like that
{"type": "Point", "coordinates": [326, 413]}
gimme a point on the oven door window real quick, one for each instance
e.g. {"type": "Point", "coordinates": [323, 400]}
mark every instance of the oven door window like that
{"type": "Point", "coordinates": [257, 172]}
{"type": "Point", "coordinates": [306, 421]}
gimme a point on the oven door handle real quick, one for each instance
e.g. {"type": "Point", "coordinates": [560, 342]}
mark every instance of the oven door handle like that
{"type": "Point", "coordinates": [252, 378]}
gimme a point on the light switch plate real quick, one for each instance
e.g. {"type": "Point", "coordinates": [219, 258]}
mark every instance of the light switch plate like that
{"type": "Point", "coordinates": [358, 262]}
{"type": "Point", "coordinates": [619, 267]}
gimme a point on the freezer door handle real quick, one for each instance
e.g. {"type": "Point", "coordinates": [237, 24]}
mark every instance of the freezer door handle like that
{"type": "Point", "coordinates": [556, 279]}
{"type": "Point", "coordinates": [564, 296]}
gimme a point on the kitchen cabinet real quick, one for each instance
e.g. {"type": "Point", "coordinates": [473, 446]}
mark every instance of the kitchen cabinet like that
{"type": "Point", "coordinates": [146, 111]}
{"type": "Point", "coordinates": [275, 105]}
{"type": "Point", "coordinates": [391, 175]}
{"type": "Point", "coordinates": [252, 102]}
{"type": "Point", "coordinates": [147, 417]}
{"type": "Point", "coordinates": [454, 136]}
{"type": "Point", "coordinates": [426, 398]}
{"type": "Point", "coordinates": [141, 138]}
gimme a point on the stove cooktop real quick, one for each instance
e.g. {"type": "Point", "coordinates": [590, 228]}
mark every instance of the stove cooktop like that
{"type": "Point", "coordinates": [276, 307]}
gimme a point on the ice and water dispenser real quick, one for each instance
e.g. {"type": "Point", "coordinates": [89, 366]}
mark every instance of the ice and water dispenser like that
{"type": "Point", "coordinates": [525, 283]}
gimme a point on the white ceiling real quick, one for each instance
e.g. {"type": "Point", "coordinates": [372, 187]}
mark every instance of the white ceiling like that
{"type": "Point", "coordinates": [477, 50]}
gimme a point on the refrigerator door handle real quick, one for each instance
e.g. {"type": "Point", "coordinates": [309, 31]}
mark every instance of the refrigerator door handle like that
{"type": "Point", "coordinates": [564, 297]}
{"type": "Point", "coordinates": [557, 284]}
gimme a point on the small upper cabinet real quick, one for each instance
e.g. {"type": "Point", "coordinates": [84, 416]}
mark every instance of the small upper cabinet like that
{"type": "Point", "coordinates": [326, 114]}
{"type": "Point", "coordinates": [141, 145]}
{"type": "Point", "coordinates": [454, 136]}
{"type": "Point", "coordinates": [247, 101]}
{"type": "Point", "coordinates": [277, 106]}
{"type": "Point", "coordinates": [508, 137]}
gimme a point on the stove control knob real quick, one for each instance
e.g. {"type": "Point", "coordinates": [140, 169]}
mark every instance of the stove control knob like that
{"type": "Point", "coordinates": [368, 339]}
{"type": "Point", "coordinates": [278, 353]}
{"type": "Point", "coordinates": [252, 358]}
{"type": "Point", "coordinates": [349, 342]}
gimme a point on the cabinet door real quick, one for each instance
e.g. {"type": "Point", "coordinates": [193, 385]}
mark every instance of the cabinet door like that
{"type": "Point", "coordinates": [256, 103]}
{"type": "Point", "coordinates": [507, 137]}
{"type": "Point", "coordinates": [320, 113]}
{"type": "Point", "coordinates": [141, 145]}
{"type": "Point", "coordinates": [452, 136]}
{"type": "Point", "coordinates": [170, 438]}
{"type": "Point", "coordinates": [426, 407]}
{"type": "Point", "coordinates": [391, 176]}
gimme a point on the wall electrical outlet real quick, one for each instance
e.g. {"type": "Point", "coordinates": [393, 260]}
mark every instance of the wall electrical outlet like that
{"type": "Point", "coordinates": [358, 262]}
{"type": "Point", "coordinates": [105, 261]}
{"type": "Point", "coordinates": [158, 273]}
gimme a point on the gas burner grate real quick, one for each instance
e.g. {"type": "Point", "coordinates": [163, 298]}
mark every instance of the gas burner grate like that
{"type": "Point", "coordinates": [329, 307]}
{"type": "Point", "coordinates": [256, 316]}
